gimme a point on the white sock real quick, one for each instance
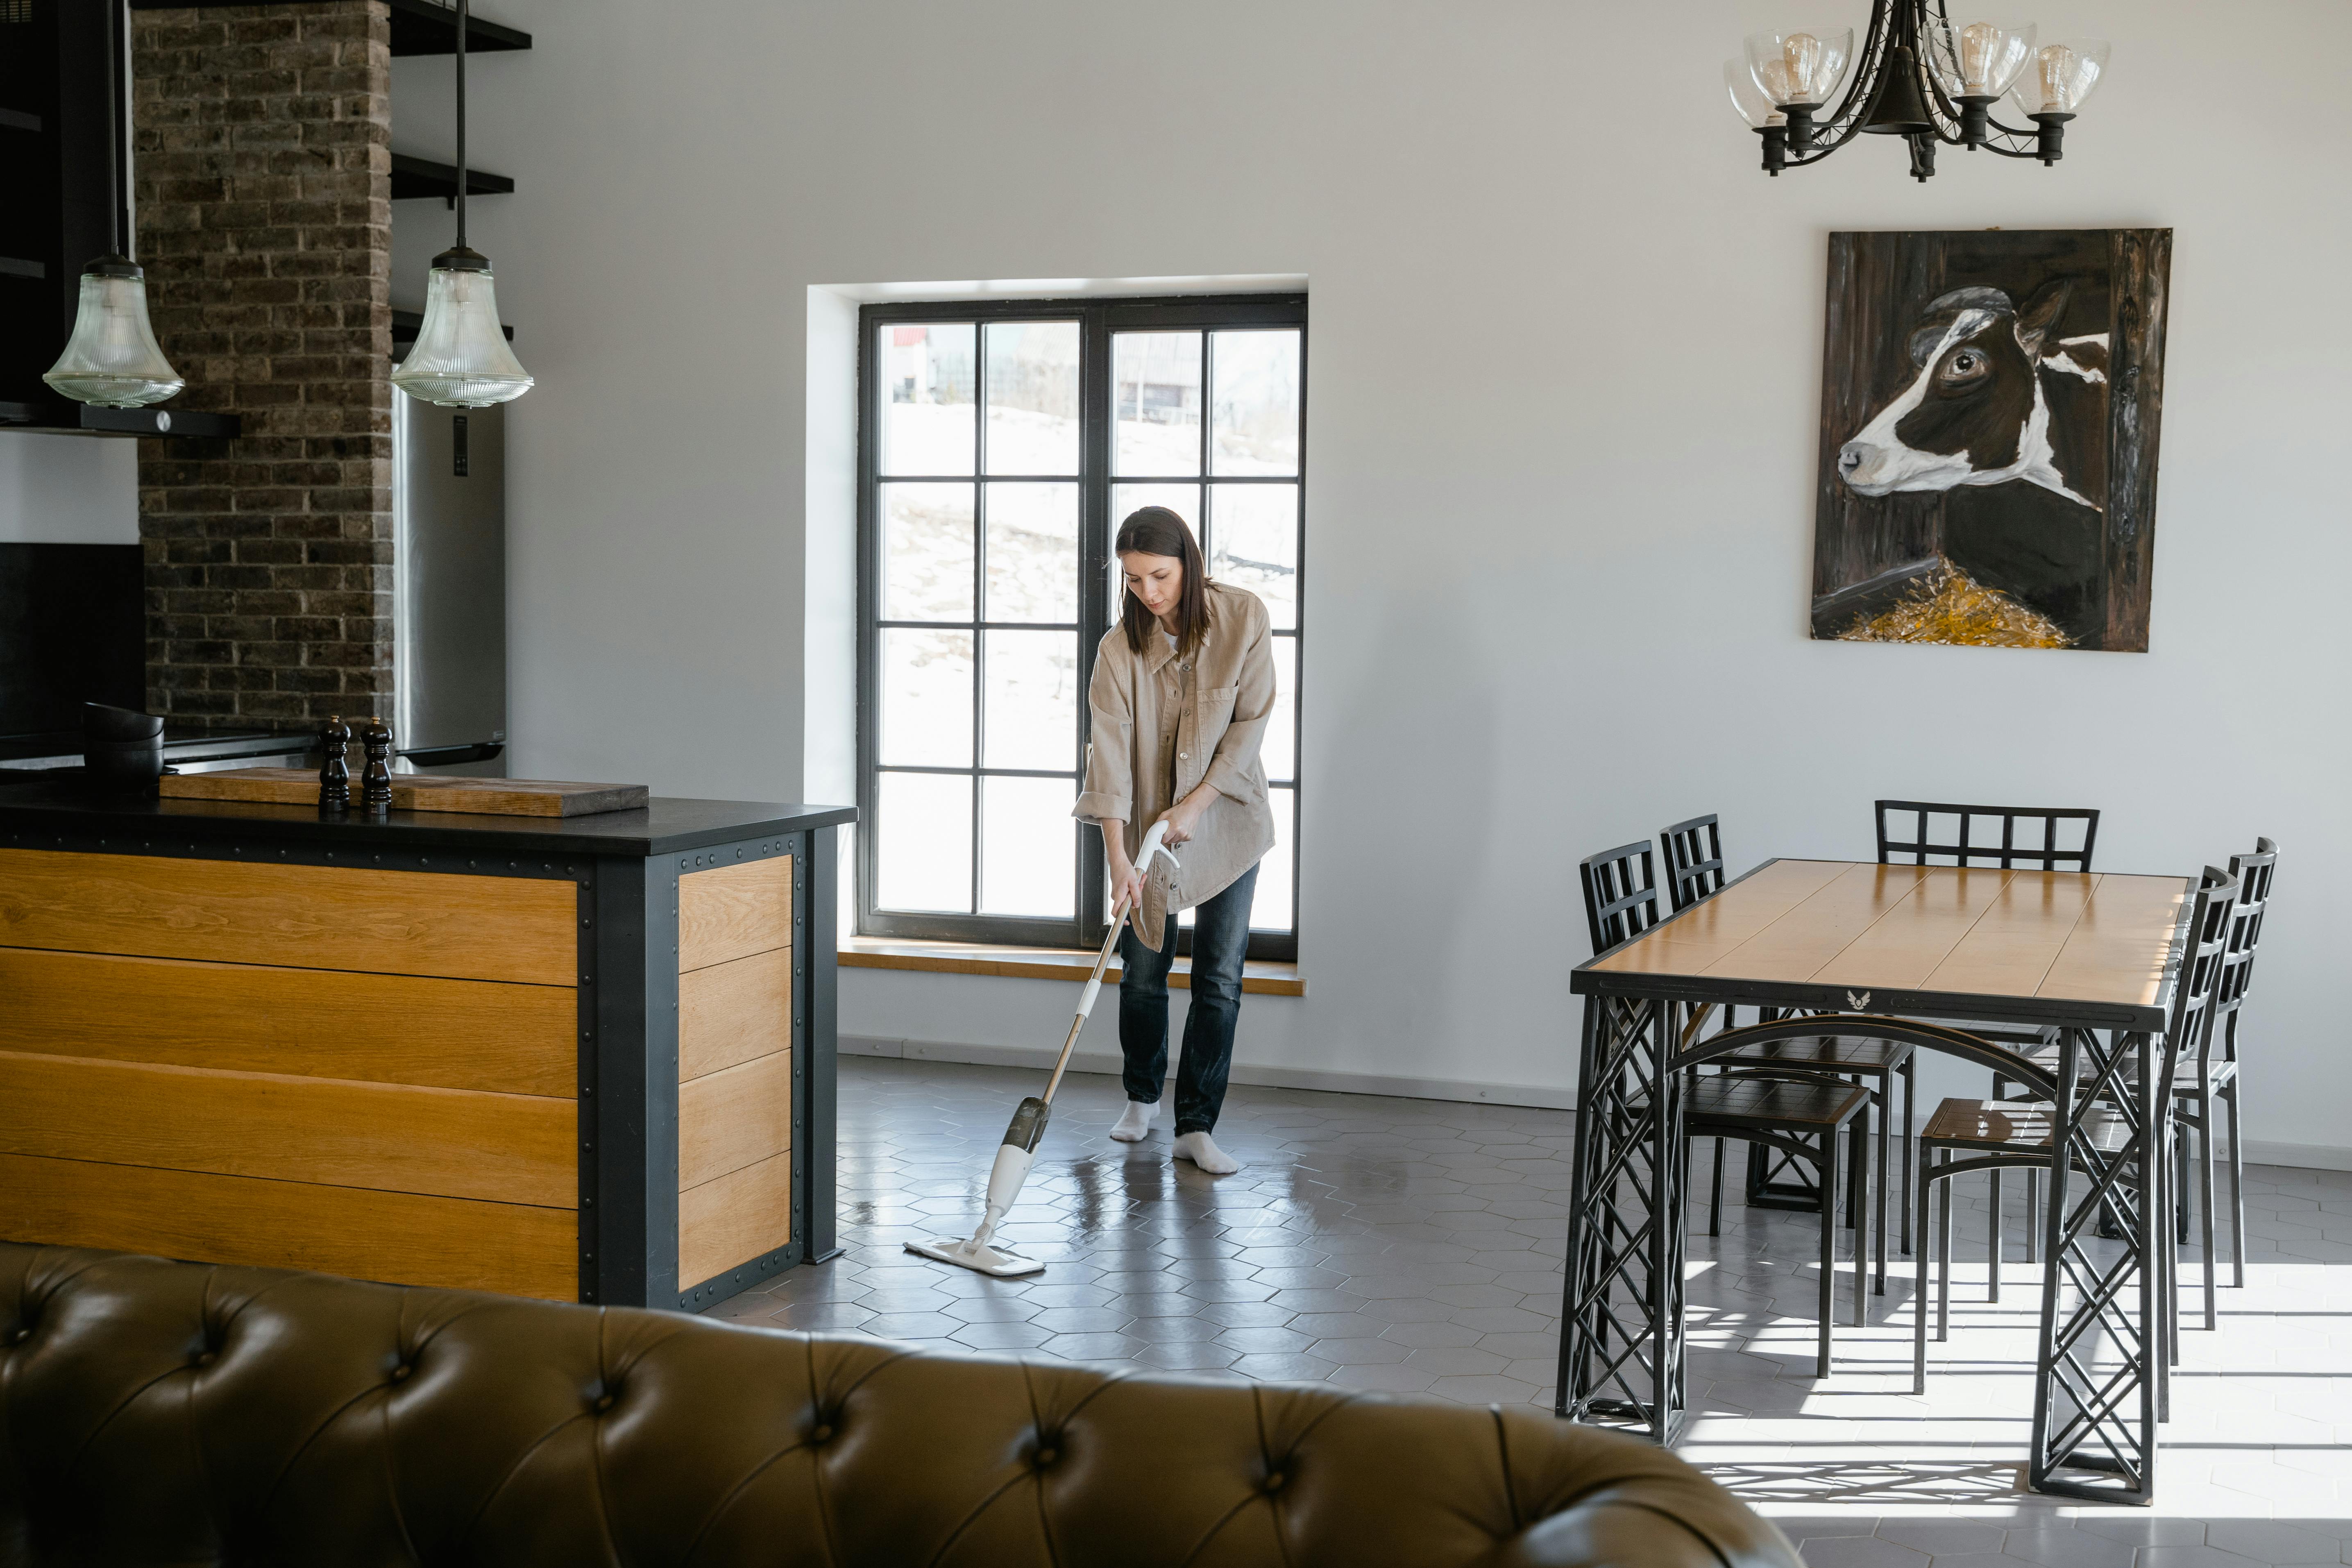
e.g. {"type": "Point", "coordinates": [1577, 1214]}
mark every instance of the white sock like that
{"type": "Point", "coordinates": [1198, 1148]}
{"type": "Point", "coordinates": [1134, 1125]}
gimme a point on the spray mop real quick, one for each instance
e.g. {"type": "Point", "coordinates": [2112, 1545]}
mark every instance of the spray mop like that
{"type": "Point", "coordinates": [1020, 1147]}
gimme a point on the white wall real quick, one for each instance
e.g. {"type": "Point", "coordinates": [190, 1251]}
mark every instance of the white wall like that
{"type": "Point", "coordinates": [67, 489]}
{"type": "Point", "coordinates": [1566, 342]}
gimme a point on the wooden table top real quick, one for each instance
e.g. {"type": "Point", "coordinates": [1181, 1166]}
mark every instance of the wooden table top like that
{"type": "Point", "coordinates": [1976, 942]}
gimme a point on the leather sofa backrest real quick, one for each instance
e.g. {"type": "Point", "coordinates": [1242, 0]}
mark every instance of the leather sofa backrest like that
{"type": "Point", "coordinates": [156, 1412]}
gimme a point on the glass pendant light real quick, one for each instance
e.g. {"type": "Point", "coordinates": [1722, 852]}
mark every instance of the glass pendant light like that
{"type": "Point", "coordinates": [461, 358]}
{"type": "Point", "coordinates": [112, 359]}
{"type": "Point", "coordinates": [1798, 71]}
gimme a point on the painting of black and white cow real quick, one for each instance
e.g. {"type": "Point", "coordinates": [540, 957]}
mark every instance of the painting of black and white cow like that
{"type": "Point", "coordinates": [1969, 414]}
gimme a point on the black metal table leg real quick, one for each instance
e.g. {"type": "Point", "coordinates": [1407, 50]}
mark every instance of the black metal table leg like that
{"type": "Point", "coordinates": [2094, 1414]}
{"type": "Point", "coordinates": [1621, 1352]}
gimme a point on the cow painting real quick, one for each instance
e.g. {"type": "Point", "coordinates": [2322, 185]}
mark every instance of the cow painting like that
{"type": "Point", "coordinates": [1990, 404]}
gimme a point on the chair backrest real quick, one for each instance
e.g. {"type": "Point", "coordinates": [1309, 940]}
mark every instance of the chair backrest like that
{"type": "Point", "coordinates": [1986, 835]}
{"type": "Point", "coordinates": [2254, 873]}
{"type": "Point", "coordinates": [1693, 859]}
{"type": "Point", "coordinates": [1616, 907]}
{"type": "Point", "coordinates": [2199, 979]}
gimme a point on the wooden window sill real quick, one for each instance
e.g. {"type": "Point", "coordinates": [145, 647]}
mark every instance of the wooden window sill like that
{"type": "Point", "coordinates": [1263, 977]}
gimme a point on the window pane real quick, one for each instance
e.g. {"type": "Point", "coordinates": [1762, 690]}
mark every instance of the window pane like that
{"type": "Point", "coordinates": [1033, 397]}
{"type": "Point", "coordinates": [925, 552]}
{"type": "Point", "coordinates": [1255, 545]}
{"type": "Point", "coordinates": [922, 842]}
{"type": "Point", "coordinates": [1280, 748]}
{"type": "Point", "coordinates": [1257, 404]}
{"type": "Point", "coordinates": [1156, 402]}
{"type": "Point", "coordinates": [1032, 719]}
{"type": "Point", "coordinates": [1271, 909]}
{"type": "Point", "coordinates": [926, 699]}
{"type": "Point", "coordinates": [1184, 500]}
{"type": "Point", "coordinates": [1032, 553]}
{"type": "Point", "coordinates": [927, 398]}
{"type": "Point", "coordinates": [1028, 863]}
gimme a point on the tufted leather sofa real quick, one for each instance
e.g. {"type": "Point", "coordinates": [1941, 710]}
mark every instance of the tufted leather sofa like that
{"type": "Point", "coordinates": [156, 1413]}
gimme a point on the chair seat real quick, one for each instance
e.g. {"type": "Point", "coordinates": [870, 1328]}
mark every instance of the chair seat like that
{"type": "Point", "coordinates": [1795, 1107]}
{"type": "Point", "coordinates": [2012, 1126]}
{"type": "Point", "coordinates": [1847, 1056]}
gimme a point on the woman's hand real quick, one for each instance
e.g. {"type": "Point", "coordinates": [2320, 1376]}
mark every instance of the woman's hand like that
{"type": "Point", "coordinates": [1125, 881]}
{"type": "Point", "coordinates": [1185, 815]}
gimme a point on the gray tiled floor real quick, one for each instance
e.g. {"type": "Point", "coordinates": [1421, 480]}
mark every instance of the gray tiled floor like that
{"type": "Point", "coordinates": [1414, 1247]}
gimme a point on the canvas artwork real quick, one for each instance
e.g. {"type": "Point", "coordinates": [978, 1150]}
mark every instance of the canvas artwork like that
{"type": "Point", "coordinates": [1989, 410]}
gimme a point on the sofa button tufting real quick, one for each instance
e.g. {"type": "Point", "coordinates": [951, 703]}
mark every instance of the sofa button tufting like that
{"type": "Point", "coordinates": [1274, 1481]}
{"type": "Point", "coordinates": [402, 1372]}
{"type": "Point", "coordinates": [1046, 1457]}
{"type": "Point", "coordinates": [820, 1435]}
{"type": "Point", "coordinates": [207, 1358]}
{"type": "Point", "coordinates": [20, 1336]}
{"type": "Point", "coordinates": [604, 1403]}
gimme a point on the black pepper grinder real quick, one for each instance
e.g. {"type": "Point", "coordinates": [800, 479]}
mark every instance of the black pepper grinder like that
{"type": "Point", "coordinates": [375, 783]}
{"type": "Point", "coordinates": [334, 773]}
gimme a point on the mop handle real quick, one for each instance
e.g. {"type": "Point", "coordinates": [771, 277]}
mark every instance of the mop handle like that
{"type": "Point", "coordinates": [1153, 846]}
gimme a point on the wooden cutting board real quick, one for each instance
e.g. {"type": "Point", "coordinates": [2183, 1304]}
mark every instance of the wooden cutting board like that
{"type": "Point", "coordinates": [414, 792]}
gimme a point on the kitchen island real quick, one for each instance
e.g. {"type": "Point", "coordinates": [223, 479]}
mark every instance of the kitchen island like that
{"type": "Point", "coordinates": [584, 1058]}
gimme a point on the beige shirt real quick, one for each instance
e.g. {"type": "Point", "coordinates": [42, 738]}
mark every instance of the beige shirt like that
{"type": "Point", "coordinates": [1164, 725]}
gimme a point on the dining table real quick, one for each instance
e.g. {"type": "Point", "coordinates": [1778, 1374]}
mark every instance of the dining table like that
{"type": "Point", "coordinates": [1974, 960]}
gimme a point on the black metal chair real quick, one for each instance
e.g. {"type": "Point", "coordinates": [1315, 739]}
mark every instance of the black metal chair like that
{"type": "Point", "coordinates": [2000, 1135]}
{"type": "Point", "coordinates": [1693, 853]}
{"type": "Point", "coordinates": [1942, 834]}
{"type": "Point", "coordinates": [1965, 845]}
{"type": "Point", "coordinates": [1771, 1108]}
{"type": "Point", "coordinates": [2216, 1083]}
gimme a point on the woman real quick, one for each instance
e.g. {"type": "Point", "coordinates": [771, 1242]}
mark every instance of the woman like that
{"type": "Point", "coordinates": [1182, 688]}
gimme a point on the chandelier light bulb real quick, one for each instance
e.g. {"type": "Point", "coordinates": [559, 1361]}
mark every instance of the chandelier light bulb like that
{"type": "Point", "coordinates": [1800, 67]}
{"type": "Point", "coordinates": [2061, 76]}
{"type": "Point", "coordinates": [1981, 59]}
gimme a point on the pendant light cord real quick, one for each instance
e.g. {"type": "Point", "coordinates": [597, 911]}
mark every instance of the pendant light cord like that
{"type": "Point", "coordinates": [118, 73]}
{"type": "Point", "coordinates": [463, 14]}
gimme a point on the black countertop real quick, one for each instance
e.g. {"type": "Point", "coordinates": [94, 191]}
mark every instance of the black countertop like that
{"type": "Point", "coordinates": [36, 816]}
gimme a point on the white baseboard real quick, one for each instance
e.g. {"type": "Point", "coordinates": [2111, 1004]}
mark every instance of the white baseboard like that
{"type": "Point", "coordinates": [1041, 1058]}
{"type": "Point", "coordinates": [2300, 1156]}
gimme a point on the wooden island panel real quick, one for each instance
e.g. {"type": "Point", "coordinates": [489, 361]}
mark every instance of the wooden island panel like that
{"type": "Point", "coordinates": [310, 917]}
{"type": "Point", "coordinates": [406, 1238]}
{"type": "Point", "coordinates": [442, 1143]}
{"type": "Point", "coordinates": [315, 1023]}
{"type": "Point", "coordinates": [735, 1065]}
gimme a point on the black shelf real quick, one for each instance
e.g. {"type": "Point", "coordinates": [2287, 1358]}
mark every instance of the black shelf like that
{"type": "Point", "coordinates": [413, 178]}
{"type": "Point", "coordinates": [418, 27]}
{"type": "Point", "coordinates": [59, 415]}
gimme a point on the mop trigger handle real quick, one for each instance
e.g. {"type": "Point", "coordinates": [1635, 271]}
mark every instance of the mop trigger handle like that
{"type": "Point", "coordinates": [1154, 847]}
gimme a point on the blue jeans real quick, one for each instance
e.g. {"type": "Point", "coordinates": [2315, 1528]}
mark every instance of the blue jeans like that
{"type": "Point", "coordinates": [1220, 942]}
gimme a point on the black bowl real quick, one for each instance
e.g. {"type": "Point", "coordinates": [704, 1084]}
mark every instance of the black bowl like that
{"type": "Point", "coordinates": [101, 722]}
{"type": "Point", "coordinates": [127, 767]}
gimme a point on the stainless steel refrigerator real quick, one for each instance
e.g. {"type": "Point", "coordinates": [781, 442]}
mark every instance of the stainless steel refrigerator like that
{"type": "Point", "coordinates": [449, 583]}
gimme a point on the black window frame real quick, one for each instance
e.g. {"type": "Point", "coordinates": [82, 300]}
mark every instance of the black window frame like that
{"type": "Point", "coordinates": [1099, 318]}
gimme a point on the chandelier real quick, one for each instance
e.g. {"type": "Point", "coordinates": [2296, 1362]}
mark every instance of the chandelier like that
{"type": "Point", "coordinates": [1917, 77]}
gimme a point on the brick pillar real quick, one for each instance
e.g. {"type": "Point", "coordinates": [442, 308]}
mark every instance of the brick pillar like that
{"type": "Point", "coordinates": [263, 175]}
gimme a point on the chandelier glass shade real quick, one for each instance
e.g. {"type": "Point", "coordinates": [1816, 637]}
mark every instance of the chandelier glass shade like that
{"type": "Point", "coordinates": [1920, 75]}
{"type": "Point", "coordinates": [112, 359]}
{"type": "Point", "coordinates": [461, 358]}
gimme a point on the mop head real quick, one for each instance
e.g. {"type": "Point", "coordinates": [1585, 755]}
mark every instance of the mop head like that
{"type": "Point", "coordinates": [978, 1256]}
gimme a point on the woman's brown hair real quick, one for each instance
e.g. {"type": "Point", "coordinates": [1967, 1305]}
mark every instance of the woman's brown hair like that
{"type": "Point", "coordinates": [1156, 531]}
